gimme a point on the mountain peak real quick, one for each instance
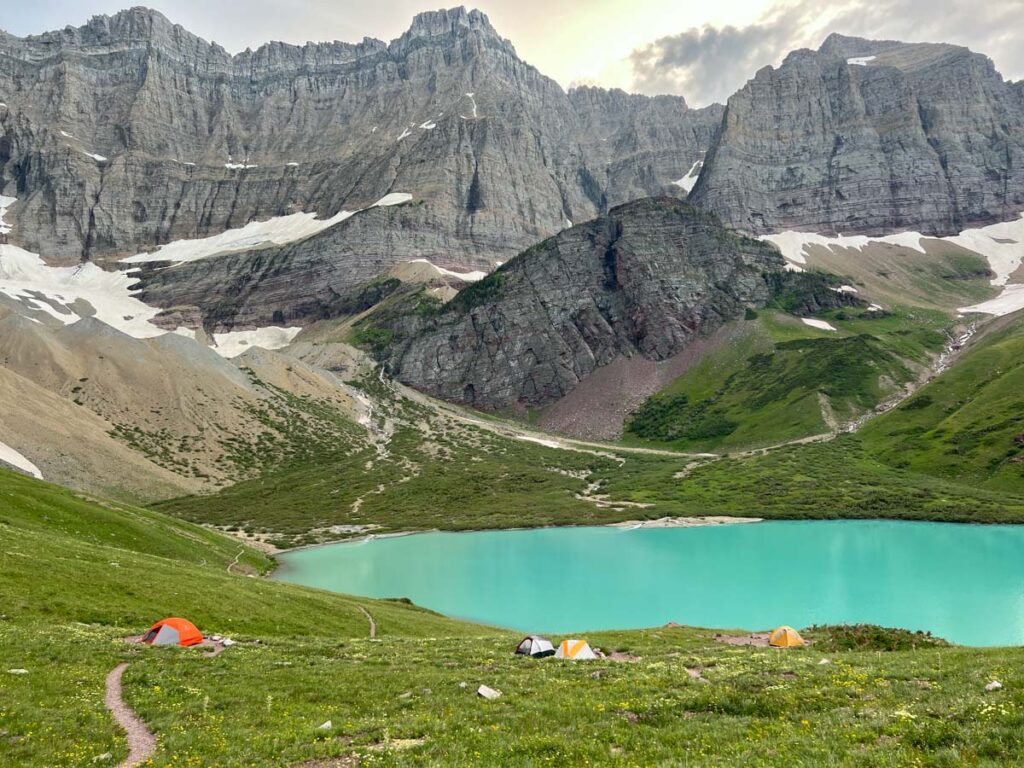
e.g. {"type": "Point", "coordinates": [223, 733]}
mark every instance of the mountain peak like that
{"type": "Point", "coordinates": [447, 21]}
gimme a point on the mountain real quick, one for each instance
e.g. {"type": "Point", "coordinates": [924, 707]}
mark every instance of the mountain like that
{"type": "Point", "coordinates": [130, 132]}
{"type": "Point", "coordinates": [869, 137]}
{"type": "Point", "coordinates": [646, 279]}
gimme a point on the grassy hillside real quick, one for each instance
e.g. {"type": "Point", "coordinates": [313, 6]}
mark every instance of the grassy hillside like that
{"type": "Point", "coordinates": [787, 380]}
{"type": "Point", "coordinates": [968, 424]}
{"type": "Point", "coordinates": [78, 574]}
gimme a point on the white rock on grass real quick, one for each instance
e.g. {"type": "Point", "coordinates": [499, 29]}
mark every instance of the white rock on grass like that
{"type": "Point", "coordinates": [995, 685]}
{"type": "Point", "coordinates": [17, 671]}
{"type": "Point", "coordinates": [326, 726]}
{"type": "Point", "coordinates": [488, 693]}
{"type": "Point", "coordinates": [227, 641]}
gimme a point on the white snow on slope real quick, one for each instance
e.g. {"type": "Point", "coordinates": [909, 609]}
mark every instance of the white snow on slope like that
{"type": "Point", "coordinates": [276, 231]}
{"type": "Point", "coordinates": [1010, 300]}
{"type": "Point", "coordinates": [395, 198]}
{"type": "Point", "coordinates": [279, 230]}
{"type": "Point", "coordinates": [405, 133]}
{"type": "Point", "coordinates": [55, 290]}
{"type": "Point", "coordinates": [234, 343]}
{"type": "Point", "coordinates": [472, 98]}
{"type": "Point", "coordinates": [10, 456]}
{"type": "Point", "coordinates": [861, 61]}
{"type": "Point", "coordinates": [1002, 244]}
{"type": "Point", "coordinates": [239, 166]}
{"type": "Point", "coordinates": [821, 325]}
{"type": "Point", "coordinates": [5, 203]}
{"type": "Point", "coordinates": [846, 289]}
{"type": "Point", "coordinates": [466, 277]}
{"type": "Point", "coordinates": [94, 156]}
{"type": "Point", "coordinates": [428, 126]}
{"type": "Point", "coordinates": [690, 178]}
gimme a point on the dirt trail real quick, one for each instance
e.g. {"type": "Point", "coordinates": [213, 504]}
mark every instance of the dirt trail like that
{"type": "Point", "coordinates": [141, 741]}
{"type": "Point", "coordinates": [369, 618]}
{"type": "Point", "coordinates": [234, 562]}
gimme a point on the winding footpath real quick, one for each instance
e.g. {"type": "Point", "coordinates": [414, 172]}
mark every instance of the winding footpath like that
{"type": "Point", "coordinates": [369, 618]}
{"type": "Point", "coordinates": [141, 741]}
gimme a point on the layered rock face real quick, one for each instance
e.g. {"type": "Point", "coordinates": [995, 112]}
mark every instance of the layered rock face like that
{"type": "Point", "coordinates": [645, 279]}
{"type": "Point", "coordinates": [130, 132]}
{"type": "Point", "coordinates": [869, 137]}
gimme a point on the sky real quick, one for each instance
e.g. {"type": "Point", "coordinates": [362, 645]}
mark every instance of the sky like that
{"type": "Point", "coordinates": [703, 51]}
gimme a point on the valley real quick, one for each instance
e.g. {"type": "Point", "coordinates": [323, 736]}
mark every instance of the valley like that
{"type": "Point", "coordinates": [265, 315]}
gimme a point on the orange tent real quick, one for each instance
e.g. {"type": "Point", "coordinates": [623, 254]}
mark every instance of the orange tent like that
{"type": "Point", "coordinates": [173, 631]}
{"type": "Point", "coordinates": [786, 637]}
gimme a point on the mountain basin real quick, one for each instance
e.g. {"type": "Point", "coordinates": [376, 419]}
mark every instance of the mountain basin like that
{"type": "Point", "coordinates": [964, 583]}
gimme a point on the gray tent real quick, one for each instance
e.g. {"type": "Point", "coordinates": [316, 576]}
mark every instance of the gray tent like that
{"type": "Point", "coordinates": [535, 646]}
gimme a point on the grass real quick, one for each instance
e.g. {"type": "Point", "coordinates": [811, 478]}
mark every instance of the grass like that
{"type": "Point", "coordinates": [78, 574]}
{"type": "Point", "coordinates": [784, 380]}
{"type": "Point", "coordinates": [968, 424]}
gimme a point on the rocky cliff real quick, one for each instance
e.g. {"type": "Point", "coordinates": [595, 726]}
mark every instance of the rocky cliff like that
{"type": "Point", "coordinates": [869, 137]}
{"type": "Point", "coordinates": [646, 279]}
{"type": "Point", "coordinates": [130, 132]}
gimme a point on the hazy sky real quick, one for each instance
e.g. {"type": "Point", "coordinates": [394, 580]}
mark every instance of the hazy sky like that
{"type": "Point", "coordinates": [702, 50]}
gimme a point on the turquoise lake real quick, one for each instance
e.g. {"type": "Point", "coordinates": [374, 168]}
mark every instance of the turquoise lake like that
{"type": "Point", "coordinates": [962, 582]}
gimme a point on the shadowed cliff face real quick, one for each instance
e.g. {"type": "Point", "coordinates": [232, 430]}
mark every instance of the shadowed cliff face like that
{"type": "Point", "coordinates": [869, 137]}
{"type": "Point", "coordinates": [131, 132]}
{"type": "Point", "coordinates": [645, 279]}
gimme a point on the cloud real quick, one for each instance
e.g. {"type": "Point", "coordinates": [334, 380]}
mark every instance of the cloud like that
{"type": "Point", "coordinates": [710, 63]}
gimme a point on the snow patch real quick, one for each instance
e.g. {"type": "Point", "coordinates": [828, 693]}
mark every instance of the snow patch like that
{"type": "Point", "coordinates": [472, 98]}
{"type": "Point", "coordinates": [1010, 300]}
{"type": "Point", "coordinates": [405, 133]}
{"type": "Point", "coordinates": [846, 289]}
{"type": "Point", "coordinates": [5, 203]}
{"type": "Point", "coordinates": [66, 135]}
{"type": "Point", "coordinates": [466, 277]}
{"type": "Point", "coordinates": [59, 291]}
{"type": "Point", "coordinates": [395, 198]}
{"type": "Point", "coordinates": [10, 456]}
{"type": "Point", "coordinates": [861, 61]}
{"type": "Point", "coordinates": [690, 178]}
{"type": "Point", "coordinates": [568, 223]}
{"type": "Point", "coordinates": [428, 126]}
{"type": "Point", "coordinates": [874, 308]}
{"type": "Point", "coordinates": [1001, 244]}
{"type": "Point", "coordinates": [94, 156]}
{"type": "Point", "coordinates": [292, 165]}
{"type": "Point", "coordinates": [239, 166]}
{"type": "Point", "coordinates": [821, 325]}
{"type": "Point", "coordinates": [279, 230]}
{"type": "Point", "coordinates": [234, 343]}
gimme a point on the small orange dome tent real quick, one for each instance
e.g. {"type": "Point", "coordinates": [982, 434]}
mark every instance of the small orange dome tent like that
{"type": "Point", "coordinates": [786, 637]}
{"type": "Point", "coordinates": [173, 631]}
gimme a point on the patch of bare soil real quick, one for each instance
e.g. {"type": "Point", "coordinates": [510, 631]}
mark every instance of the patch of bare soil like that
{"type": "Point", "coordinates": [758, 639]}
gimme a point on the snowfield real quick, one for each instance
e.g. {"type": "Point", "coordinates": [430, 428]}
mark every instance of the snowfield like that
{"type": "Point", "coordinates": [690, 178]}
{"type": "Point", "coordinates": [10, 456]}
{"type": "Point", "coordinates": [1001, 244]}
{"type": "Point", "coordinates": [821, 325]}
{"type": "Point", "coordinates": [5, 203]}
{"type": "Point", "coordinates": [279, 230]}
{"type": "Point", "coordinates": [234, 343]}
{"type": "Point", "coordinates": [466, 277]}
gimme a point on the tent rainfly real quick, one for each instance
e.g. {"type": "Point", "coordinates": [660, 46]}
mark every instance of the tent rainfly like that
{"type": "Point", "coordinates": [173, 631]}
{"type": "Point", "coordinates": [535, 646]}
{"type": "Point", "coordinates": [786, 637]}
{"type": "Point", "coordinates": [577, 650]}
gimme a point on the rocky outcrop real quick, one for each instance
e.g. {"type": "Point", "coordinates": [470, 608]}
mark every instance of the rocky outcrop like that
{"type": "Point", "coordinates": [869, 137]}
{"type": "Point", "coordinates": [130, 132]}
{"type": "Point", "coordinates": [646, 279]}
{"type": "Point", "coordinates": [638, 142]}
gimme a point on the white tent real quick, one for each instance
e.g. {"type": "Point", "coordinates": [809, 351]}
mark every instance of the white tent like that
{"type": "Point", "coordinates": [577, 650]}
{"type": "Point", "coordinates": [535, 646]}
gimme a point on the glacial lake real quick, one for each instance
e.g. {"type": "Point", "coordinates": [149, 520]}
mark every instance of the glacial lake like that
{"type": "Point", "coordinates": [962, 582]}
